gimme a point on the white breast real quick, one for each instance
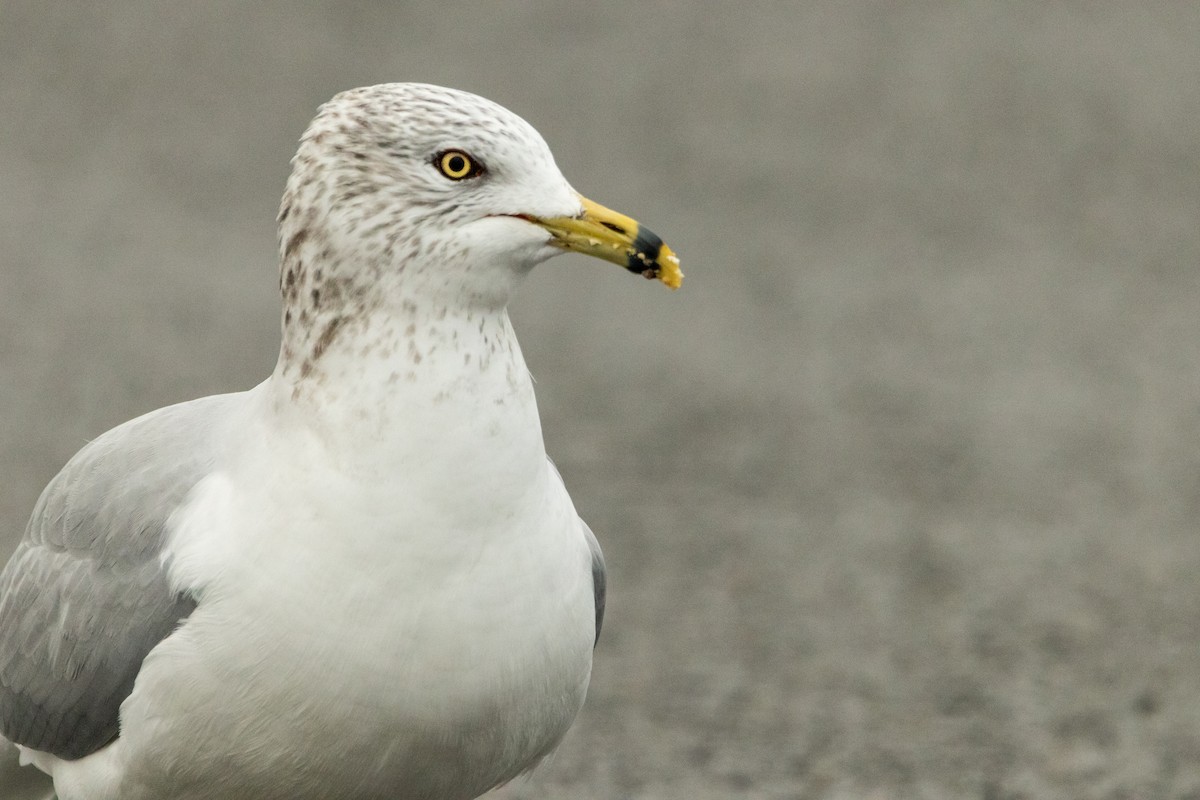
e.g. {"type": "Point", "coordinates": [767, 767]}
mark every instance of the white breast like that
{"type": "Point", "coordinates": [348, 635]}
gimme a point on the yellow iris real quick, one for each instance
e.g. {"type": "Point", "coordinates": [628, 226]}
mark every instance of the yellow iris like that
{"type": "Point", "coordinates": [456, 165]}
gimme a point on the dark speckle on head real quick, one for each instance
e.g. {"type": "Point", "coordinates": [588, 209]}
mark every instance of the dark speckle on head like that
{"type": "Point", "coordinates": [293, 243]}
{"type": "Point", "coordinates": [328, 332]}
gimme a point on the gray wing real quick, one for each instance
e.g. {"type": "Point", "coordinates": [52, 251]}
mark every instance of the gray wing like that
{"type": "Point", "coordinates": [599, 576]}
{"type": "Point", "coordinates": [85, 596]}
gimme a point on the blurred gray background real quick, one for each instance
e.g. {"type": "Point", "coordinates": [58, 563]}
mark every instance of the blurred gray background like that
{"type": "Point", "coordinates": [899, 493]}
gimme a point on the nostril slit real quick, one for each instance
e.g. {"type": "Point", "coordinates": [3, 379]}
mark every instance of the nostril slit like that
{"type": "Point", "coordinates": [612, 226]}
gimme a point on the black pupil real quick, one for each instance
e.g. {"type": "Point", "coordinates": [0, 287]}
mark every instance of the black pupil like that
{"type": "Point", "coordinates": [457, 164]}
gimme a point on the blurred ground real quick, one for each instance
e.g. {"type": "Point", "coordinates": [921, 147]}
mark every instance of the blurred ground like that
{"type": "Point", "coordinates": [899, 494]}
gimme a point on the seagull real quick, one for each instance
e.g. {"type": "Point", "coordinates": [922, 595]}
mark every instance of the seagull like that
{"type": "Point", "coordinates": [363, 578]}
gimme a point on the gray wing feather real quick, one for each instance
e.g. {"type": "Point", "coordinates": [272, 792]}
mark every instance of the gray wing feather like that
{"type": "Point", "coordinates": [599, 576]}
{"type": "Point", "coordinates": [85, 596]}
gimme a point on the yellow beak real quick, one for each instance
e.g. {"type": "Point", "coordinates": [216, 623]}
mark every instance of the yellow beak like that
{"type": "Point", "coordinates": [614, 237]}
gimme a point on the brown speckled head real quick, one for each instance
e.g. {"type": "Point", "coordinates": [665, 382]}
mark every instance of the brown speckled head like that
{"type": "Point", "coordinates": [404, 195]}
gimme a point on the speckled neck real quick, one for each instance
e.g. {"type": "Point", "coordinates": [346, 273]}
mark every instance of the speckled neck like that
{"type": "Point", "coordinates": [321, 293]}
{"type": "Point", "coordinates": [340, 308]}
{"type": "Point", "coordinates": [413, 401]}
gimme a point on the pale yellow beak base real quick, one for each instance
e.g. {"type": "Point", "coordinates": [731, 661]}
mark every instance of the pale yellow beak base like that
{"type": "Point", "coordinates": [614, 237]}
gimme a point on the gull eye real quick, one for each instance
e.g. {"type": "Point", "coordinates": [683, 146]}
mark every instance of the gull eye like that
{"type": "Point", "coordinates": [457, 165]}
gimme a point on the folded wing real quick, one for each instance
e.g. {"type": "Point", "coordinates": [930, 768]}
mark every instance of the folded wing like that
{"type": "Point", "coordinates": [85, 596]}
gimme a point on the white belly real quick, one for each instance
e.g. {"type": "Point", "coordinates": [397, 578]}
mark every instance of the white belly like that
{"type": "Point", "coordinates": [387, 663]}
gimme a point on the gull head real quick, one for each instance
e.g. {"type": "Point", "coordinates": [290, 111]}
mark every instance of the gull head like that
{"type": "Point", "coordinates": [410, 193]}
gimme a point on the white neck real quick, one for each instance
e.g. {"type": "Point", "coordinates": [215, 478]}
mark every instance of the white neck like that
{"type": "Point", "coordinates": [414, 397]}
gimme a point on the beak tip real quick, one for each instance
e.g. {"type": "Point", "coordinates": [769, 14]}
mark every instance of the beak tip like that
{"type": "Point", "coordinates": [668, 271]}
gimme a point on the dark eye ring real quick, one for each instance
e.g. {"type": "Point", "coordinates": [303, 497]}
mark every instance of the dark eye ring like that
{"type": "Point", "coordinates": [457, 165]}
